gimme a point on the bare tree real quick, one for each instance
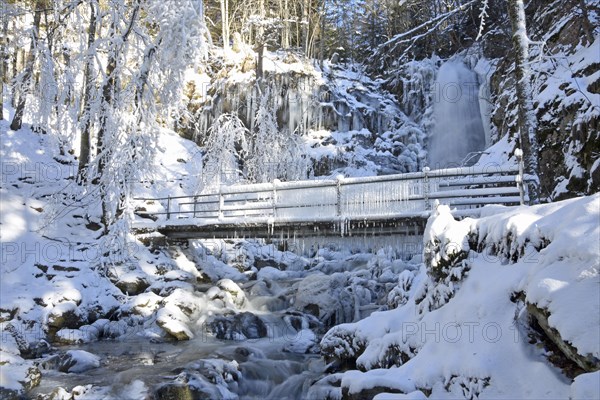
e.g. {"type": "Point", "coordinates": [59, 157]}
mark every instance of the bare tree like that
{"type": "Point", "coordinates": [285, 31]}
{"type": "Point", "coordinates": [86, 118]}
{"type": "Point", "coordinates": [3, 59]}
{"type": "Point", "coordinates": [526, 124]}
{"type": "Point", "coordinates": [17, 121]}
{"type": "Point", "coordinates": [108, 91]}
{"type": "Point", "coordinates": [225, 23]}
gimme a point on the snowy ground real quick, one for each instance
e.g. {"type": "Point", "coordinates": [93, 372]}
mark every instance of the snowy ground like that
{"type": "Point", "coordinates": [462, 327]}
{"type": "Point", "coordinates": [455, 323]}
{"type": "Point", "coordinates": [66, 291]}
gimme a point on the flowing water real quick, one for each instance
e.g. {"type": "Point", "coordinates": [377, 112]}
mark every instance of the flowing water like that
{"type": "Point", "coordinates": [266, 371]}
{"type": "Point", "coordinates": [458, 128]}
{"type": "Point", "coordinates": [134, 367]}
{"type": "Point", "coordinates": [296, 305]}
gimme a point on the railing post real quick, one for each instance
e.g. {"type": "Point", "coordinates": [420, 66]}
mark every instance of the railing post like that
{"type": "Point", "coordinates": [338, 193]}
{"type": "Point", "coordinates": [221, 202]}
{"type": "Point", "coordinates": [426, 188]}
{"type": "Point", "coordinates": [169, 207]}
{"type": "Point", "coordinates": [195, 204]}
{"type": "Point", "coordinates": [274, 199]}
{"type": "Point", "coordinates": [520, 181]}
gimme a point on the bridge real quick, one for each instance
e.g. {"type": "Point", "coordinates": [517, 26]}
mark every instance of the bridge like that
{"type": "Point", "coordinates": [369, 206]}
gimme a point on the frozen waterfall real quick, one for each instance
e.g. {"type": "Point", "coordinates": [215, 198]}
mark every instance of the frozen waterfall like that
{"type": "Point", "coordinates": [457, 128]}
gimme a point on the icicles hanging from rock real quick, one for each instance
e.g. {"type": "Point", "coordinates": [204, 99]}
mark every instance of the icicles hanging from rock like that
{"type": "Point", "coordinates": [337, 106]}
{"type": "Point", "coordinates": [295, 98]}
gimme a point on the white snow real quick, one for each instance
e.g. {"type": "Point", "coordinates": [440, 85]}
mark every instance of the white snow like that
{"type": "Point", "coordinates": [463, 335]}
{"type": "Point", "coordinates": [586, 386]}
{"type": "Point", "coordinates": [477, 333]}
{"type": "Point", "coordinates": [83, 360]}
{"type": "Point", "coordinates": [302, 342]}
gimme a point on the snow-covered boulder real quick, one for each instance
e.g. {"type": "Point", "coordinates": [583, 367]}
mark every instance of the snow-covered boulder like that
{"type": "Point", "coordinates": [17, 375]}
{"type": "Point", "coordinates": [73, 361]}
{"type": "Point", "coordinates": [236, 293]}
{"type": "Point", "coordinates": [65, 315]}
{"type": "Point", "coordinates": [305, 341]}
{"type": "Point", "coordinates": [144, 304]}
{"type": "Point", "coordinates": [173, 323]}
{"type": "Point", "coordinates": [132, 283]}
{"type": "Point", "coordinates": [204, 379]}
{"type": "Point", "coordinates": [240, 326]}
{"type": "Point", "coordinates": [324, 297]}
{"type": "Point", "coordinates": [180, 307]}
{"type": "Point", "coordinates": [85, 334]}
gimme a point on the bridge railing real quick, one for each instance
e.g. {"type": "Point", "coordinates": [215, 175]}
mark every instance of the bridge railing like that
{"type": "Point", "coordinates": [351, 198]}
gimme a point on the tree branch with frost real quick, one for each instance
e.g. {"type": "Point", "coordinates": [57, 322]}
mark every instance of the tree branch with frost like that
{"type": "Point", "coordinates": [62, 14]}
{"type": "Point", "coordinates": [28, 72]}
{"type": "Point", "coordinates": [227, 146]}
{"type": "Point", "coordinates": [482, 16]}
{"type": "Point", "coordinates": [388, 48]}
{"type": "Point", "coordinates": [275, 153]}
{"type": "Point", "coordinates": [148, 49]}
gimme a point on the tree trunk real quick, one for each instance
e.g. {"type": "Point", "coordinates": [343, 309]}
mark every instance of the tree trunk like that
{"type": "Point", "coordinates": [261, 38]}
{"type": "Point", "coordinates": [17, 121]}
{"type": "Point", "coordinates": [142, 81]}
{"type": "Point", "coordinates": [110, 86]}
{"type": "Point", "coordinates": [15, 61]}
{"type": "Point", "coordinates": [3, 64]}
{"type": "Point", "coordinates": [305, 31]}
{"type": "Point", "coordinates": [322, 35]}
{"type": "Point", "coordinates": [526, 123]}
{"type": "Point", "coordinates": [108, 90]}
{"type": "Point", "coordinates": [588, 29]}
{"type": "Point", "coordinates": [285, 34]}
{"type": "Point", "coordinates": [259, 62]}
{"type": "Point", "coordinates": [85, 145]}
{"type": "Point", "coordinates": [225, 24]}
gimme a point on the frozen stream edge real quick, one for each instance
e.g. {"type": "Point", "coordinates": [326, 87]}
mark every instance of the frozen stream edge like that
{"type": "Point", "coordinates": [143, 361]}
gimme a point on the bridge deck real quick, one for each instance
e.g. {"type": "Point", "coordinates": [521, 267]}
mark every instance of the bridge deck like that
{"type": "Point", "coordinates": [401, 225]}
{"type": "Point", "coordinates": [381, 205]}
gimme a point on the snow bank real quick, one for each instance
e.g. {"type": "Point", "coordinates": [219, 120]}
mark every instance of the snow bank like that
{"type": "Point", "coordinates": [475, 341]}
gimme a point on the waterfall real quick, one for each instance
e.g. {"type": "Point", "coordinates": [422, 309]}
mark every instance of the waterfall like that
{"type": "Point", "coordinates": [457, 128]}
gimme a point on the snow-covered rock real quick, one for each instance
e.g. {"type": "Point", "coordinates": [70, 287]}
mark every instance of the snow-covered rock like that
{"type": "Point", "coordinates": [324, 297]}
{"type": "Point", "coordinates": [131, 283]}
{"type": "Point", "coordinates": [240, 326]}
{"type": "Point", "coordinates": [305, 341]}
{"type": "Point", "coordinates": [17, 375]}
{"type": "Point", "coordinates": [173, 323]}
{"type": "Point", "coordinates": [236, 293]}
{"type": "Point", "coordinates": [85, 334]}
{"type": "Point", "coordinates": [210, 379]}
{"type": "Point", "coordinates": [64, 315]}
{"type": "Point", "coordinates": [75, 361]}
{"type": "Point", "coordinates": [545, 255]}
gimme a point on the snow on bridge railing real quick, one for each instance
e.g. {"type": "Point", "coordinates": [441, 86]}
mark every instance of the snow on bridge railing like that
{"type": "Point", "coordinates": [374, 197]}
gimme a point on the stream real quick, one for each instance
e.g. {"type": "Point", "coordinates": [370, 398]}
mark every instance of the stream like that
{"type": "Point", "coordinates": [253, 339]}
{"type": "Point", "coordinates": [131, 368]}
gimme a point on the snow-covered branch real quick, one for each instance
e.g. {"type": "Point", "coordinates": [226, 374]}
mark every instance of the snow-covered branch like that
{"type": "Point", "coordinates": [411, 36]}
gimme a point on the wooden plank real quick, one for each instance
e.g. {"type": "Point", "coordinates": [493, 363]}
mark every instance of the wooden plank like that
{"type": "Point", "coordinates": [474, 192]}
{"type": "Point", "coordinates": [397, 226]}
{"type": "Point", "coordinates": [472, 181]}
